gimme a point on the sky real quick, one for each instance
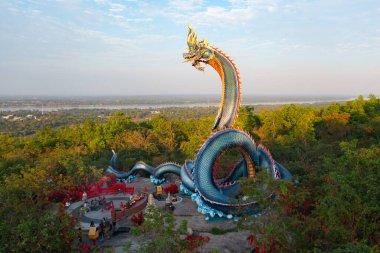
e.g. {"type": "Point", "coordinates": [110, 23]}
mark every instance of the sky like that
{"type": "Point", "coordinates": [131, 47]}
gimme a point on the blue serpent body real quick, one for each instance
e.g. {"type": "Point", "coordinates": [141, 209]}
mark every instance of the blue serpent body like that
{"type": "Point", "coordinates": [156, 174]}
{"type": "Point", "coordinates": [216, 197]}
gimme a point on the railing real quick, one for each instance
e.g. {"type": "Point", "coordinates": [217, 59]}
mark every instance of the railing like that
{"type": "Point", "coordinates": [118, 214]}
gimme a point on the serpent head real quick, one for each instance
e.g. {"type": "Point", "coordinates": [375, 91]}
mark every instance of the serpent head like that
{"type": "Point", "coordinates": [198, 51]}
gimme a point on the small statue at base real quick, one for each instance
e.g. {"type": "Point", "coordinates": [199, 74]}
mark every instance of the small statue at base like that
{"type": "Point", "coordinates": [168, 203]}
{"type": "Point", "coordinates": [151, 199]}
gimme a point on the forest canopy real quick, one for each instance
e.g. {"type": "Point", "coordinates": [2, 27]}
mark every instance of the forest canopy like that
{"type": "Point", "coordinates": [333, 153]}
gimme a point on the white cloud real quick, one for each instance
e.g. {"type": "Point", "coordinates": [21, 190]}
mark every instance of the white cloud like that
{"type": "Point", "coordinates": [267, 5]}
{"type": "Point", "coordinates": [101, 1]}
{"type": "Point", "coordinates": [211, 16]}
{"type": "Point", "coordinates": [216, 14]}
{"type": "Point", "coordinates": [238, 12]}
{"type": "Point", "coordinates": [128, 23]}
{"type": "Point", "coordinates": [348, 46]}
{"type": "Point", "coordinates": [116, 7]}
{"type": "Point", "coordinates": [156, 37]}
{"type": "Point", "coordinates": [186, 5]}
{"type": "Point", "coordinates": [110, 40]}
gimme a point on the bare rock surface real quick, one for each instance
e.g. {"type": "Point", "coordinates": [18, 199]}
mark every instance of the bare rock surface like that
{"type": "Point", "coordinates": [228, 242]}
{"type": "Point", "coordinates": [188, 211]}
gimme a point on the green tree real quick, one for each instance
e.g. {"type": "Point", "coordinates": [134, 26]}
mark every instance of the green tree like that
{"type": "Point", "coordinates": [161, 229]}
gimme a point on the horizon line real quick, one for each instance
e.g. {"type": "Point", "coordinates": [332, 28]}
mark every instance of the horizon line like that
{"type": "Point", "coordinates": [178, 94]}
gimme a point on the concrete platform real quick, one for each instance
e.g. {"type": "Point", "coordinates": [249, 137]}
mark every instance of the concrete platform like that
{"type": "Point", "coordinates": [98, 215]}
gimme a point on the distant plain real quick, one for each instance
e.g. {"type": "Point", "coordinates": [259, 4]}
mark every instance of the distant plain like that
{"type": "Point", "coordinates": [54, 103]}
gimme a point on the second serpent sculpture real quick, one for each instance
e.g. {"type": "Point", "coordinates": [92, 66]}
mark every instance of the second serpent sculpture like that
{"type": "Point", "coordinates": [217, 198]}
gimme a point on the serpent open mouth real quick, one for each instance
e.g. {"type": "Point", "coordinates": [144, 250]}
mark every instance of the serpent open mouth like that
{"type": "Point", "coordinates": [196, 60]}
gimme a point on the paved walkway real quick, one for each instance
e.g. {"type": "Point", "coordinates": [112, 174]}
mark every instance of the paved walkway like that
{"type": "Point", "coordinates": [98, 215]}
{"type": "Point", "coordinates": [185, 209]}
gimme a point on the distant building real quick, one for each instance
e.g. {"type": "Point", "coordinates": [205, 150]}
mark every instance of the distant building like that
{"type": "Point", "coordinates": [17, 118]}
{"type": "Point", "coordinates": [31, 116]}
{"type": "Point", "coordinates": [8, 117]}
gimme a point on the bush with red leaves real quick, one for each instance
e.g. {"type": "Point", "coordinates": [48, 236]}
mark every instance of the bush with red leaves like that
{"type": "Point", "coordinates": [71, 193]}
{"type": "Point", "coordinates": [85, 247]}
{"type": "Point", "coordinates": [137, 220]}
{"type": "Point", "coordinates": [259, 248]}
{"type": "Point", "coordinates": [67, 227]}
{"type": "Point", "coordinates": [112, 178]}
{"type": "Point", "coordinates": [172, 189]}
{"type": "Point", "coordinates": [196, 241]}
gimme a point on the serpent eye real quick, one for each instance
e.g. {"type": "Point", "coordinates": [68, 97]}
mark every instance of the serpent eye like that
{"type": "Point", "coordinates": [206, 53]}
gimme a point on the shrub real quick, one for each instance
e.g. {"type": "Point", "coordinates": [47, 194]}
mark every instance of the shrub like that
{"type": "Point", "coordinates": [172, 189]}
{"type": "Point", "coordinates": [218, 231]}
{"type": "Point", "coordinates": [138, 220]}
{"type": "Point", "coordinates": [135, 231]}
{"type": "Point", "coordinates": [195, 241]}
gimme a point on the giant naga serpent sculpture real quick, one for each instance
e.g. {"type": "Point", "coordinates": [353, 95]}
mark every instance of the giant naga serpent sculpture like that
{"type": "Point", "coordinates": [217, 198]}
